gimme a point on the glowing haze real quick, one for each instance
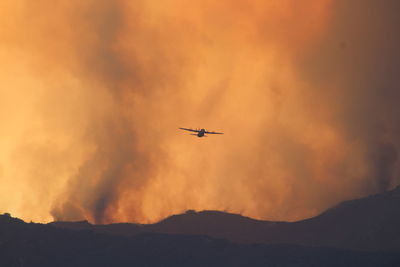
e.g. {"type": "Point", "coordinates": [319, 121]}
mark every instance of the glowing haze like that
{"type": "Point", "coordinates": [92, 93]}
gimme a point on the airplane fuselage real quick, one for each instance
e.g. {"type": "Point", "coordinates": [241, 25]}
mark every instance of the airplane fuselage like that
{"type": "Point", "coordinates": [201, 133]}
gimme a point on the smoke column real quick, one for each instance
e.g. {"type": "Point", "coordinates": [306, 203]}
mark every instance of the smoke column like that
{"type": "Point", "coordinates": [92, 95]}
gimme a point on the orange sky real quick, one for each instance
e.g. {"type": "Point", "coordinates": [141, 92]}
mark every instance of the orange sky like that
{"type": "Point", "coordinates": [92, 95]}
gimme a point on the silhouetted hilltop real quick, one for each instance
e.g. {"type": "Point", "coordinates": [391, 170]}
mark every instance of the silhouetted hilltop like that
{"type": "Point", "coordinates": [370, 223]}
{"type": "Point", "coordinates": [213, 223]}
{"type": "Point", "coordinates": [216, 224]}
{"type": "Point", "coordinates": [6, 218]}
{"type": "Point", "coordinates": [23, 244]}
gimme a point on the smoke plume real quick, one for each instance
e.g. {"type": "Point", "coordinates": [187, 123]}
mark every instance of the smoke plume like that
{"type": "Point", "coordinates": [92, 95]}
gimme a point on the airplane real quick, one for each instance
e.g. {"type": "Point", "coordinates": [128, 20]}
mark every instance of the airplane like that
{"type": "Point", "coordinates": [200, 133]}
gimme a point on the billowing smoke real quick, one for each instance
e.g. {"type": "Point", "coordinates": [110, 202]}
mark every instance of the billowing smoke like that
{"type": "Point", "coordinates": [92, 95]}
{"type": "Point", "coordinates": [353, 70]}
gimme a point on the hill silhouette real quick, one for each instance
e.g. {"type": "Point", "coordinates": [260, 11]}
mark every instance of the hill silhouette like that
{"type": "Point", "coordinates": [370, 223]}
{"type": "Point", "coordinates": [30, 244]}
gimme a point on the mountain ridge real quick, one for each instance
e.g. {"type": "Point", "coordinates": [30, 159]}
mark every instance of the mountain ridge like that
{"type": "Point", "coordinates": [32, 244]}
{"type": "Point", "coordinates": [369, 223]}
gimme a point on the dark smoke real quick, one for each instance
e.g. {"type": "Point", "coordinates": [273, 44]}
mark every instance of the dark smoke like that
{"type": "Point", "coordinates": [355, 71]}
{"type": "Point", "coordinates": [94, 189]}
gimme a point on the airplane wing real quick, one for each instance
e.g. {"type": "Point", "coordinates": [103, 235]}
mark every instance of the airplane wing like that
{"type": "Point", "coordinates": [206, 132]}
{"type": "Point", "coordinates": [190, 130]}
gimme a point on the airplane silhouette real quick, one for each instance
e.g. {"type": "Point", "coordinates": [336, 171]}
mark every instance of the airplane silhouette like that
{"type": "Point", "coordinates": [200, 132]}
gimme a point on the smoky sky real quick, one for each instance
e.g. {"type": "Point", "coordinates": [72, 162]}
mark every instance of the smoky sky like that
{"type": "Point", "coordinates": [93, 94]}
{"type": "Point", "coordinates": [355, 69]}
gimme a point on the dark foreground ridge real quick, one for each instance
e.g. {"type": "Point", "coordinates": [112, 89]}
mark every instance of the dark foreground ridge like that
{"type": "Point", "coordinates": [23, 244]}
{"type": "Point", "coordinates": [362, 232]}
{"type": "Point", "coordinates": [370, 224]}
